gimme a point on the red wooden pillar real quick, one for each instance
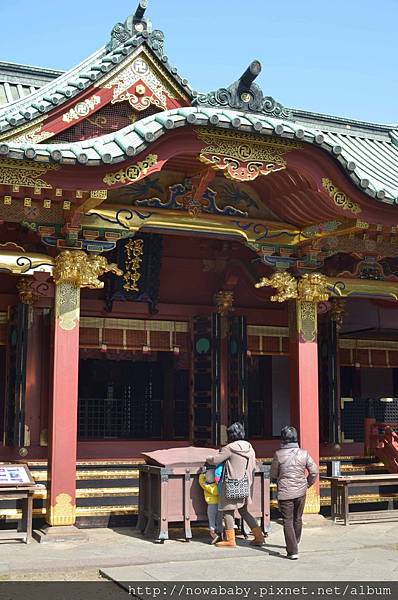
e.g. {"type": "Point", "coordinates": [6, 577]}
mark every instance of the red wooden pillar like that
{"type": "Point", "coordinates": [224, 380]}
{"type": "Point", "coordinates": [62, 439]}
{"type": "Point", "coordinates": [303, 359]}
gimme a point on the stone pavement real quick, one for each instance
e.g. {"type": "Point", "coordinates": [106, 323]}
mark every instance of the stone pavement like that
{"type": "Point", "coordinates": [328, 552]}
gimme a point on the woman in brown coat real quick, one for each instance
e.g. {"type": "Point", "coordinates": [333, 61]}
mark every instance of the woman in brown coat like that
{"type": "Point", "coordinates": [239, 459]}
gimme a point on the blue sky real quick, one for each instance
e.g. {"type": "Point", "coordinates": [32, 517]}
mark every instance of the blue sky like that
{"type": "Point", "coordinates": [333, 56]}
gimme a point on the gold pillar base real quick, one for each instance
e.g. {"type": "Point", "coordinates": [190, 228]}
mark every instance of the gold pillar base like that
{"type": "Point", "coordinates": [312, 502]}
{"type": "Point", "coordinates": [63, 512]}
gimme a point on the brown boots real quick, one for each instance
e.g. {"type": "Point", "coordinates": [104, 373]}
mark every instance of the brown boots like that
{"type": "Point", "coordinates": [258, 537]}
{"type": "Point", "coordinates": [230, 540]}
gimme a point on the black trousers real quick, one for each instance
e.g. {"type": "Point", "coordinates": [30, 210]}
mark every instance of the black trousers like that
{"type": "Point", "coordinates": [292, 515]}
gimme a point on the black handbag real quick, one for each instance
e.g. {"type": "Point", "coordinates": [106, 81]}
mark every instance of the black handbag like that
{"type": "Point", "coordinates": [237, 489]}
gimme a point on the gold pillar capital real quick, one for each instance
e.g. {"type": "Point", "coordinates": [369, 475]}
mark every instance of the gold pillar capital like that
{"type": "Point", "coordinates": [80, 270]}
{"type": "Point", "coordinates": [311, 287]}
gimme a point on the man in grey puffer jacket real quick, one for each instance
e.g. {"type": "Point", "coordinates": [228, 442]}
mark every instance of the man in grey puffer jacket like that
{"type": "Point", "coordinates": [288, 468]}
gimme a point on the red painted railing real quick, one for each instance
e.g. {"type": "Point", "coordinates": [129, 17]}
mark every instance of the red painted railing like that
{"type": "Point", "coordinates": [381, 440]}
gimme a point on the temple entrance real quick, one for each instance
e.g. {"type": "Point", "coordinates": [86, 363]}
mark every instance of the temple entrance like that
{"type": "Point", "coordinates": [368, 352]}
{"type": "Point", "coordinates": [133, 397]}
{"type": "Point", "coordinates": [268, 393]}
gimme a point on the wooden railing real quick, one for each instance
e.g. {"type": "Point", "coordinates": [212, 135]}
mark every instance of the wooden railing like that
{"type": "Point", "coordinates": [381, 440]}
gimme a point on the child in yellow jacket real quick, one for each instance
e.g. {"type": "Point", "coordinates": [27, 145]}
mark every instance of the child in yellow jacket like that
{"type": "Point", "coordinates": [208, 483]}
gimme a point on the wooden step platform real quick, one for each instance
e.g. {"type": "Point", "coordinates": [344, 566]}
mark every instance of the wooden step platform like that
{"type": "Point", "coordinates": [107, 490]}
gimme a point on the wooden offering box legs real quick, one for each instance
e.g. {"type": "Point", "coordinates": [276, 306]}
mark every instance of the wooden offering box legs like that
{"type": "Point", "coordinates": [171, 493]}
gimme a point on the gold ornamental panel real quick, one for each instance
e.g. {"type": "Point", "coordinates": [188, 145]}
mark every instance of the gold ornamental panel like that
{"type": "Point", "coordinates": [243, 157]}
{"type": "Point", "coordinates": [312, 502]}
{"type": "Point", "coordinates": [25, 173]}
{"type": "Point", "coordinates": [340, 198]}
{"type": "Point", "coordinates": [131, 173]}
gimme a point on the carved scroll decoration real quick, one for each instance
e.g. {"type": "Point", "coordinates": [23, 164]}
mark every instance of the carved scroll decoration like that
{"type": "Point", "coordinates": [241, 157]}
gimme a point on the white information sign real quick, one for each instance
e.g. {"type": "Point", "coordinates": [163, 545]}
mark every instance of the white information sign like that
{"type": "Point", "coordinates": [11, 475]}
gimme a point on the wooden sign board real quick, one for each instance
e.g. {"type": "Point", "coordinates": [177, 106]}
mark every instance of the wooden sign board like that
{"type": "Point", "coordinates": [15, 475]}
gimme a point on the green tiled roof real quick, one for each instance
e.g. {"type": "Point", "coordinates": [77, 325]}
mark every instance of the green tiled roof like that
{"type": "Point", "coordinates": [18, 81]}
{"type": "Point", "coordinates": [370, 158]}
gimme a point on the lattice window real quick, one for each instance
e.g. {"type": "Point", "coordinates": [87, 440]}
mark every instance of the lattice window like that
{"type": "Point", "coordinates": [263, 340]}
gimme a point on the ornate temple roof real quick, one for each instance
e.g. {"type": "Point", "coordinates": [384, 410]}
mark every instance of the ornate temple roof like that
{"type": "Point", "coordinates": [125, 39]}
{"type": "Point", "coordinates": [368, 153]}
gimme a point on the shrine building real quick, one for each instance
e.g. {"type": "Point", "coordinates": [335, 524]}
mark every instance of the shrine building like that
{"type": "Point", "coordinates": [173, 261]}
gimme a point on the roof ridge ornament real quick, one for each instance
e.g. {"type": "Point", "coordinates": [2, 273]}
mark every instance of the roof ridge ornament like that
{"type": "Point", "coordinates": [244, 95]}
{"type": "Point", "coordinates": [135, 25]}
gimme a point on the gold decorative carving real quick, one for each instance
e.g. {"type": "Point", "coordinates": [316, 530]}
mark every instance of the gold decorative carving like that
{"type": "Point", "coordinates": [340, 198]}
{"type": "Point", "coordinates": [132, 172]}
{"type": "Point", "coordinates": [99, 121]}
{"type": "Point", "coordinates": [99, 194]}
{"type": "Point", "coordinates": [33, 136]}
{"type": "Point", "coordinates": [134, 252]}
{"type": "Point", "coordinates": [63, 512]}
{"type": "Point", "coordinates": [307, 322]}
{"type": "Point", "coordinates": [26, 294]}
{"type": "Point", "coordinates": [312, 501]}
{"type": "Point", "coordinates": [126, 87]}
{"type": "Point", "coordinates": [283, 282]}
{"type": "Point", "coordinates": [82, 270]}
{"type": "Point", "coordinates": [224, 300]}
{"type": "Point", "coordinates": [243, 157]}
{"type": "Point", "coordinates": [81, 109]}
{"type": "Point", "coordinates": [26, 173]}
{"type": "Point", "coordinates": [312, 287]}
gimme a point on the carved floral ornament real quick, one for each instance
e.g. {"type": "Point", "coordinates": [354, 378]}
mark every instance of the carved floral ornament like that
{"type": "Point", "coordinates": [81, 109]}
{"type": "Point", "coordinates": [139, 86]}
{"type": "Point", "coordinates": [243, 157]}
{"type": "Point", "coordinates": [311, 287]}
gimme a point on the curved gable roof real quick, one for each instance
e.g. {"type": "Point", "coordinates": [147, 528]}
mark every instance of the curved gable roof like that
{"type": "Point", "coordinates": [370, 161]}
